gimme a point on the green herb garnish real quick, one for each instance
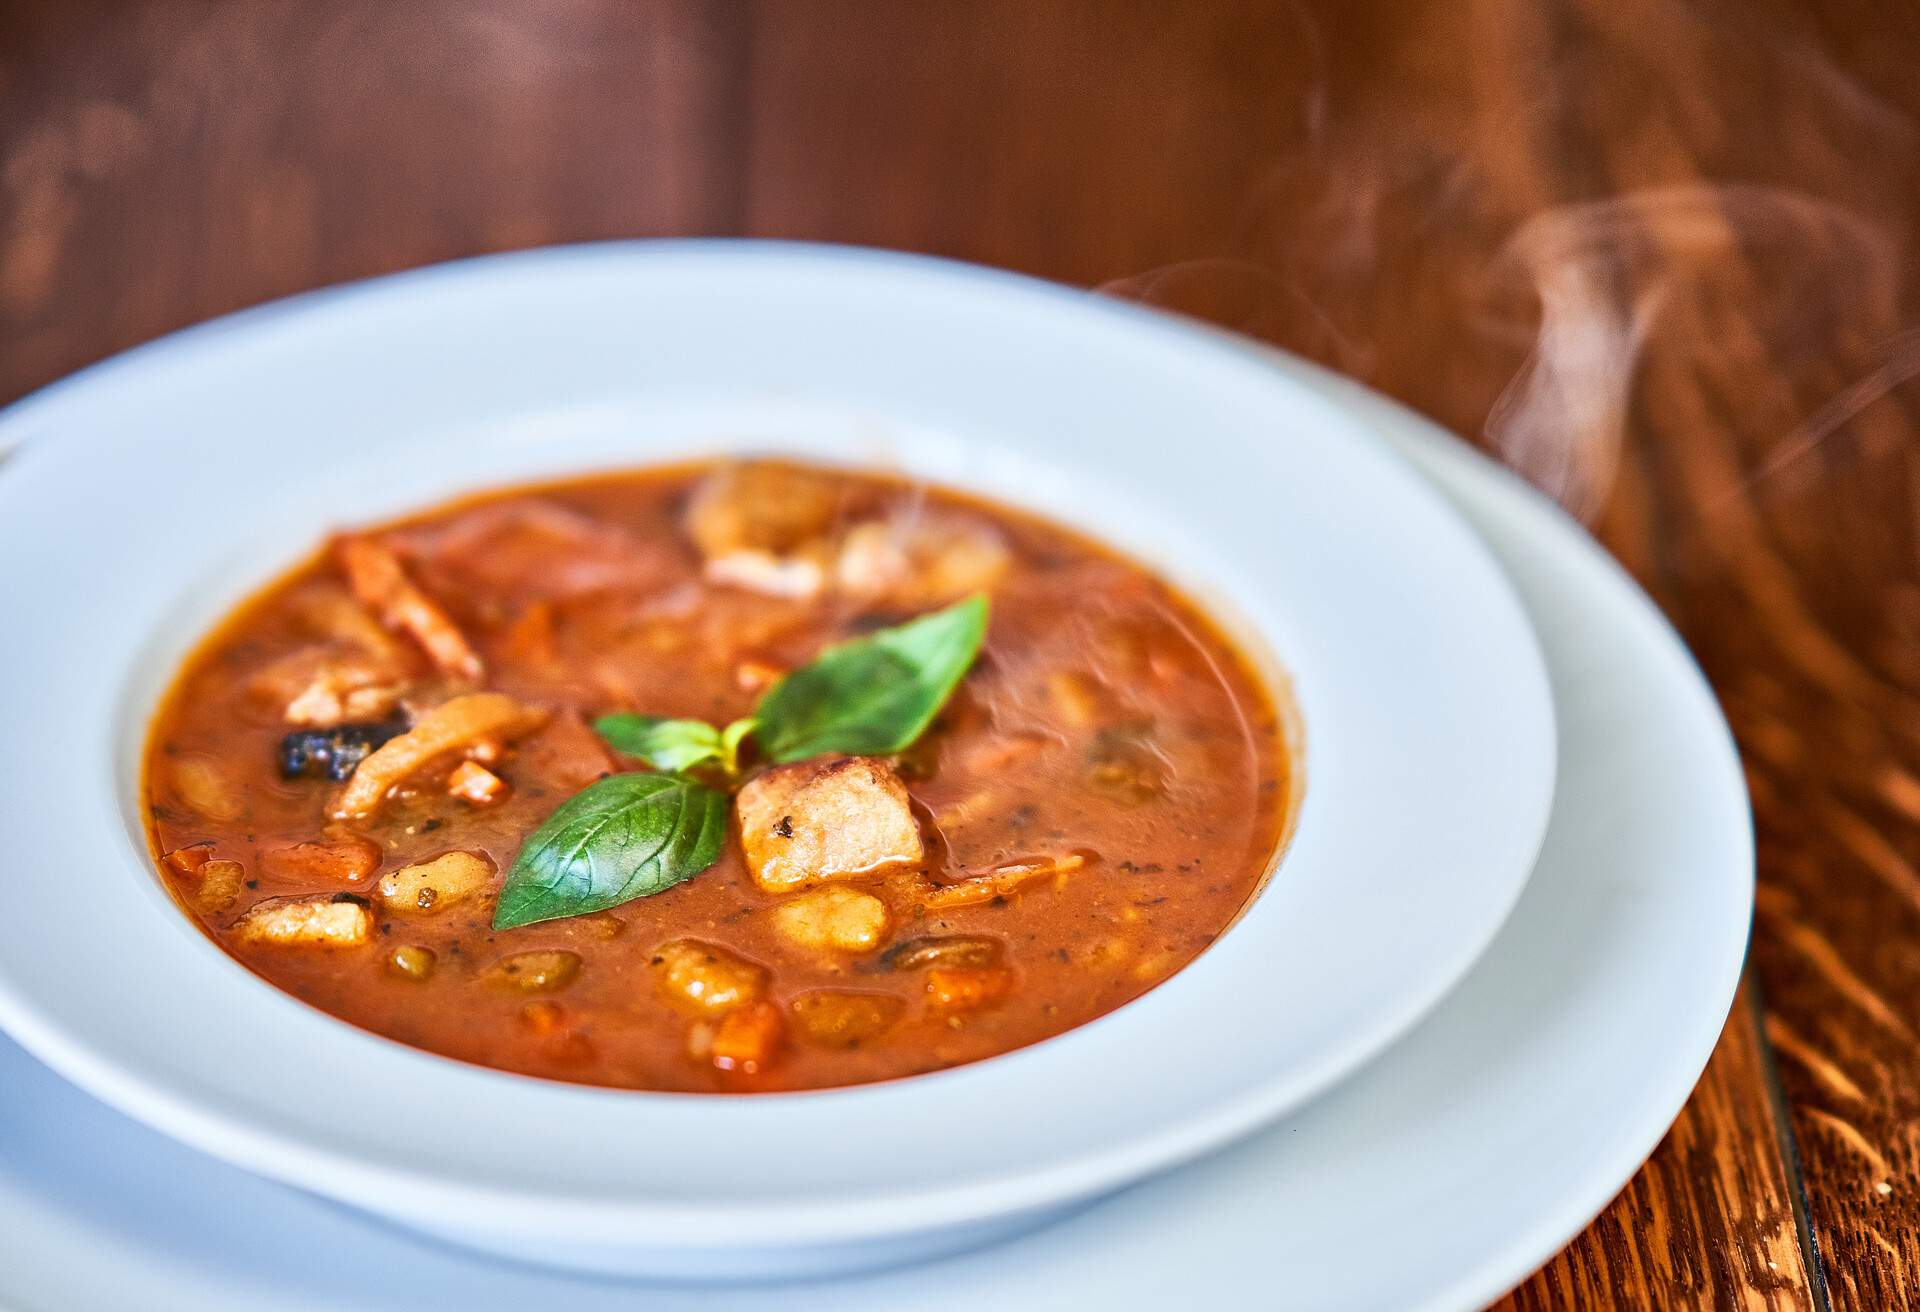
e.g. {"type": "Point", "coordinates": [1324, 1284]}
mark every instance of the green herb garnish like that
{"type": "Point", "coordinates": [875, 694]}
{"type": "Point", "coordinates": [634, 835]}
{"type": "Point", "coordinates": [661, 743]}
{"type": "Point", "coordinates": [621, 837]}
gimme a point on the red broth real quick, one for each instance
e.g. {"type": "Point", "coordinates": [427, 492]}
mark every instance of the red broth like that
{"type": "Point", "coordinates": [1096, 802]}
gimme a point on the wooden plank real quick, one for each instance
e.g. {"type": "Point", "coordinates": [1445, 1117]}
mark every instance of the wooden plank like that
{"type": "Point", "coordinates": [1707, 1222]}
{"type": "Point", "coordinates": [164, 162]}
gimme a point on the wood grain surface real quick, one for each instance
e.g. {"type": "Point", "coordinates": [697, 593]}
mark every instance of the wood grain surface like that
{"type": "Point", "coordinates": [1654, 253]}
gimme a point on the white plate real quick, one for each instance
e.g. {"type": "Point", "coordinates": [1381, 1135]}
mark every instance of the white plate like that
{"type": "Point", "coordinates": [150, 492]}
{"type": "Point", "coordinates": [1435, 1179]}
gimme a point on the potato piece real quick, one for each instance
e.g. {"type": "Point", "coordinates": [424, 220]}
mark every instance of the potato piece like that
{"type": "Point", "coordinates": [473, 783]}
{"type": "Point", "coordinates": [348, 859]}
{"type": "Point", "coordinates": [965, 989]}
{"type": "Point", "coordinates": [474, 720]}
{"type": "Point", "coordinates": [219, 886]}
{"type": "Point", "coordinates": [433, 886]}
{"type": "Point", "coordinates": [321, 920]}
{"type": "Point", "coordinates": [701, 979]}
{"type": "Point", "coordinates": [381, 584]}
{"type": "Point", "coordinates": [834, 1018]}
{"type": "Point", "coordinates": [533, 972]}
{"type": "Point", "coordinates": [839, 919]}
{"type": "Point", "coordinates": [747, 1038]}
{"type": "Point", "coordinates": [835, 818]}
{"type": "Point", "coordinates": [206, 786]}
{"type": "Point", "coordinates": [410, 961]}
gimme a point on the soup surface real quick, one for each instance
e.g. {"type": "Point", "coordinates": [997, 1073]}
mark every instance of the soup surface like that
{"type": "Point", "coordinates": [469, 780]}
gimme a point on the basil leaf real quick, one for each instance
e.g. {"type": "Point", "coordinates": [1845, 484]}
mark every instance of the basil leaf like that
{"type": "Point", "coordinates": [663, 744]}
{"type": "Point", "coordinates": [875, 694]}
{"type": "Point", "coordinates": [622, 837]}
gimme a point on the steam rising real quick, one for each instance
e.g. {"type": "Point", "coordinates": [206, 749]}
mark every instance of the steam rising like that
{"type": "Point", "coordinates": [1775, 309]}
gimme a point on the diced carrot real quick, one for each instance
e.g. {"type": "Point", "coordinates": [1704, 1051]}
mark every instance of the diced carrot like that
{"type": "Point", "coordinates": [529, 639]}
{"type": "Point", "coordinates": [747, 1038]}
{"type": "Point", "coordinates": [475, 783]}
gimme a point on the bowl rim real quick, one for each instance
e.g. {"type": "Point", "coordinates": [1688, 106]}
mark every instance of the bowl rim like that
{"type": "Point", "coordinates": [256, 1138]}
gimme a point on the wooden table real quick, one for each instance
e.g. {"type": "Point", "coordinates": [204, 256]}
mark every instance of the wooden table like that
{"type": "Point", "coordinates": [1652, 251]}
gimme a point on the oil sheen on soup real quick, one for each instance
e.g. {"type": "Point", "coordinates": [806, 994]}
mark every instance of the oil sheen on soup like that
{"type": "Point", "coordinates": [726, 777]}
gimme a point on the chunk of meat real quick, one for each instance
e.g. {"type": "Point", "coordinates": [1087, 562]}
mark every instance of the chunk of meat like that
{"type": "Point", "coordinates": [834, 818]}
{"type": "Point", "coordinates": [320, 687]}
{"type": "Point", "coordinates": [796, 577]}
{"type": "Point", "coordinates": [320, 920]}
{"type": "Point", "coordinates": [381, 584]}
{"type": "Point", "coordinates": [766, 527]}
{"type": "Point", "coordinates": [701, 979]}
{"type": "Point", "coordinates": [526, 552]}
{"type": "Point", "coordinates": [473, 720]}
{"type": "Point", "coordinates": [836, 919]}
{"type": "Point", "coordinates": [920, 560]}
{"type": "Point", "coordinates": [432, 886]}
{"type": "Point", "coordinates": [762, 505]}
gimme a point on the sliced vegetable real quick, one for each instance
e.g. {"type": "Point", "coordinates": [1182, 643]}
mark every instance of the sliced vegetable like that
{"type": "Point", "coordinates": [956, 950]}
{"type": "Point", "coordinates": [476, 720]}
